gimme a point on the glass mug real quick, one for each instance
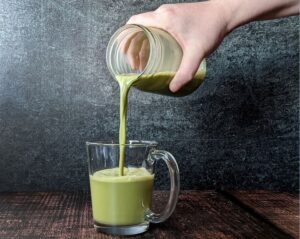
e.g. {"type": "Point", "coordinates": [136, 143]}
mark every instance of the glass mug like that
{"type": "Point", "coordinates": [121, 204]}
{"type": "Point", "coordinates": [151, 55]}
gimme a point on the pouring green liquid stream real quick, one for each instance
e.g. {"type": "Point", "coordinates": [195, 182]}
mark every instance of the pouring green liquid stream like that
{"type": "Point", "coordinates": [154, 83]}
{"type": "Point", "coordinates": [124, 84]}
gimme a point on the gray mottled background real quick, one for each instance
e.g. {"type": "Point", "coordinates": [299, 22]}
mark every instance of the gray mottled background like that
{"type": "Point", "coordinates": [239, 130]}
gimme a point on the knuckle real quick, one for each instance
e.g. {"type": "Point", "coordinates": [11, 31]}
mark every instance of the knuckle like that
{"type": "Point", "coordinates": [166, 13]}
{"type": "Point", "coordinates": [143, 56]}
{"type": "Point", "coordinates": [132, 19]}
{"type": "Point", "coordinates": [133, 54]}
{"type": "Point", "coordinates": [166, 9]}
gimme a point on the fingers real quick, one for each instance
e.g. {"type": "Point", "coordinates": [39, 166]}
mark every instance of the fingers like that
{"type": "Point", "coordinates": [134, 49]}
{"type": "Point", "coordinates": [126, 40]}
{"type": "Point", "coordinates": [189, 65]}
{"type": "Point", "coordinates": [144, 54]}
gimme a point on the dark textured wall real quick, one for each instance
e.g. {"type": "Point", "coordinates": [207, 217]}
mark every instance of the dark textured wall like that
{"type": "Point", "coordinates": [239, 130]}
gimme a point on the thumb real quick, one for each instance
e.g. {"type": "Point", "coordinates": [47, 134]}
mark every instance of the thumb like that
{"type": "Point", "coordinates": [189, 65]}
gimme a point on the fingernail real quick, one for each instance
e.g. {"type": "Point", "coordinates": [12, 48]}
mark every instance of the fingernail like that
{"type": "Point", "coordinates": [173, 87]}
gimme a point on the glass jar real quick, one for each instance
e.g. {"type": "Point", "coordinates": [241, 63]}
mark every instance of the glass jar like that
{"type": "Point", "coordinates": [151, 56]}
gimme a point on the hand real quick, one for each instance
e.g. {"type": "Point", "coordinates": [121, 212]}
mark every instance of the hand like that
{"type": "Point", "coordinates": [199, 28]}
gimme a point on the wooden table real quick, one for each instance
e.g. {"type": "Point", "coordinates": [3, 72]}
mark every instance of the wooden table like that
{"type": "Point", "coordinates": [199, 214]}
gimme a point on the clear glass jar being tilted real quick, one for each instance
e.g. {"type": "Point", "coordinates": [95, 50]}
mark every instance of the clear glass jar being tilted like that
{"type": "Point", "coordinates": [150, 57]}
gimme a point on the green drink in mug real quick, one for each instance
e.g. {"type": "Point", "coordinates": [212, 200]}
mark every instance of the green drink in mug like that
{"type": "Point", "coordinates": [121, 204]}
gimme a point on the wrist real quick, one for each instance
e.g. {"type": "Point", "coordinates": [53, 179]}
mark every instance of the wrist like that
{"type": "Point", "coordinates": [230, 9]}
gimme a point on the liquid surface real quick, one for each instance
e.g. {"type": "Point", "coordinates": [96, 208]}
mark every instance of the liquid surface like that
{"type": "Point", "coordinates": [121, 200]}
{"type": "Point", "coordinates": [155, 83]}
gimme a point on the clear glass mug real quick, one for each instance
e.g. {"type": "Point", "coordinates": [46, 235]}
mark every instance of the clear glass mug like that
{"type": "Point", "coordinates": [151, 55]}
{"type": "Point", "coordinates": [121, 204]}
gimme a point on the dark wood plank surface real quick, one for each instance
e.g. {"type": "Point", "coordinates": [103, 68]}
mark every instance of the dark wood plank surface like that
{"type": "Point", "coordinates": [282, 209]}
{"type": "Point", "coordinates": [199, 214]}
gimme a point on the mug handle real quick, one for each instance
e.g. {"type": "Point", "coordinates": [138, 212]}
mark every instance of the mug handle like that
{"type": "Point", "coordinates": [169, 159]}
